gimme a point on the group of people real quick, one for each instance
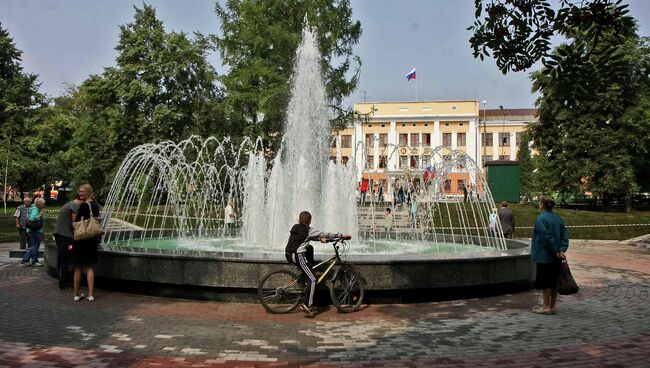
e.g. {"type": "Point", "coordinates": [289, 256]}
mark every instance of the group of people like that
{"type": "Point", "coordinates": [81, 254]}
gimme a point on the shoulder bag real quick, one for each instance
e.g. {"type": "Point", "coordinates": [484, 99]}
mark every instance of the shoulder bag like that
{"type": "Point", "coordinates": [88, 228]}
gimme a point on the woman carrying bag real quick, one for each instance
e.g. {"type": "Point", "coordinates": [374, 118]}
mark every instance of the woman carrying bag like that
{"type": "Point", "coordinates": [84, 252]}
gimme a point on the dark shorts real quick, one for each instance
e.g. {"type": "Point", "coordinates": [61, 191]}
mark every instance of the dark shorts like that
{"type": "Point", "coordinates": [547, 274]}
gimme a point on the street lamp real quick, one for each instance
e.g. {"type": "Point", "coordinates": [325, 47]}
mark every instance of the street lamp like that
{"type": "Point", "coordinates": [503, 129]}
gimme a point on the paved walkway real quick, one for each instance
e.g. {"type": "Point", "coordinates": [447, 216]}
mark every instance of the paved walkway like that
{"type": "Point", "coordinates": [606, 325]}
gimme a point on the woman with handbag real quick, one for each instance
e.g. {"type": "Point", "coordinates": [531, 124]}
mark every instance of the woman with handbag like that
{"type": "Point", "coordinates": [549, 243]}
{"type": "Point", "coordinates": [84, 248]}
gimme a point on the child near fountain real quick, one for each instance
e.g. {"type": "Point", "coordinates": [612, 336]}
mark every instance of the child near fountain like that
{"type": "Point", "coordinates": [301, 253]}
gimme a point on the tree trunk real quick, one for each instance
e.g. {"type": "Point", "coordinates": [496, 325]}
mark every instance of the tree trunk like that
{"type": "Point", "coordinates": [628, 202]}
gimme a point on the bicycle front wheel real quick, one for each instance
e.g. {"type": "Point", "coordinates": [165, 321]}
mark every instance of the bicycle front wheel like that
{"type": "Point", "coordinates": [347, 290]}
{"type": "Point", "coordinates": [280, 291]}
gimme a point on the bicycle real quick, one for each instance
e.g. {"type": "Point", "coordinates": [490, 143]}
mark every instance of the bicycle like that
{"type": "Point", "coordinates": [281, 291]}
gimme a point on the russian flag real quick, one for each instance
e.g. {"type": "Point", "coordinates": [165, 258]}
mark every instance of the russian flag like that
{"type": "Point", "coordinates": [410, 75]}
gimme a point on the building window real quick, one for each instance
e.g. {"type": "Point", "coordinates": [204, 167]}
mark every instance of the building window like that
{"type": "Point", "coordinates": [426, 161]}
{"type": "Point", "coordinates": [346, 141]}
{"type": "Point", "coordinates": [414, 161]}
{"type": "Point", "coordinates": [445, 158]}
{"type": "Point", "coordinates": [383, 140]}
{"type": "Point", "coordinates": [403, 139]}
{"type": "Point", "coordinates": [333, 159]}
{"type": "Point", "coordinates": [461, 139]}
{"type": "Point", "coordinates": [426, 139]}
{"type": "Point", "coordinates": [344, 160]}
{"type": "Point", "coordinates": [415, 139]}
{"type": "Point", "coordinates": [487, 139]}
{"type": "Point", "coordinates": [504, 157]}
{"type": "Point", "coordinates": [370, 139]}
{"type": "Point", "coordinates": [460, 184]}
{"type": "Point", "coordinates": [447, 184]}
{"type": "Point", "coordinates": [403, 162]}
{"type": "Point", "coordinates": [370, 160]}
{"type": "Point", "coordinates": [504, 139]}
{"type": "Point", "coordinates": [446, 139]}
{"type": "Point", "coordinates": [518, 139]}
{"type": "Point", "coordinates": [487, 158]}
{"type": "Point", "coordinates": [382, 162]}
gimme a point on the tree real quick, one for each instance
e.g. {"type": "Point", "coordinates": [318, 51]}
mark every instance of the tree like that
{"type": "Point", "coordinates": [21, 107]}
{"type": "Point", "coordinates": [161, 88]}
{"type": "Point", "coordinates": [591, 129]}
{"type": "Point", "coordinates": [258, 41]}
{"type": "Point", "coordinates": [519, 32]}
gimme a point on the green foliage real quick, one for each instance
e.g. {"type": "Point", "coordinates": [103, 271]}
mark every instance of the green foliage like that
{"type": "Point", "coordinates": [161, 88]}
{"type": "Point", "coordinates": [592, 128]}
{"type": "Point", "coordinates": [258, 42]}
{"type": "Point", "coordinates": [518, 32]}
{"type": "Point", "coordinates": [21, 112]}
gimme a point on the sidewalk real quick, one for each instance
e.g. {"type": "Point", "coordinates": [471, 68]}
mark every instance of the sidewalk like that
{"type": "Point", "coordinates": [606, 324]}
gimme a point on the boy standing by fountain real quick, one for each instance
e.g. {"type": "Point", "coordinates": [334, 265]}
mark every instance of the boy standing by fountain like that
{"type": "Point", "coordinates": [299, 252]}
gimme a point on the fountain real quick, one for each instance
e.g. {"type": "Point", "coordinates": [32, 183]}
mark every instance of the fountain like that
{"type": "Point", "coordinates": [164, 213]}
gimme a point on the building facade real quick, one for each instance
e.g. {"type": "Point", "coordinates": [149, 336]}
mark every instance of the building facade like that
{"type": "Point", "coordinates": [394, 138]}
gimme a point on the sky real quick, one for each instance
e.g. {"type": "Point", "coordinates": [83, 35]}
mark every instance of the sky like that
{"type": "Point", "coordinates": [64, 41]}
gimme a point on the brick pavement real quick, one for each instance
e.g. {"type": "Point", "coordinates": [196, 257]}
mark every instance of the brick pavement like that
{"type": "Point", "coordinates": [606, 325]}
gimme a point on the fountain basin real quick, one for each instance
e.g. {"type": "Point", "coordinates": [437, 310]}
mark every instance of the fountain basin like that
{"type": "Point", "coordinates": [234, 275]}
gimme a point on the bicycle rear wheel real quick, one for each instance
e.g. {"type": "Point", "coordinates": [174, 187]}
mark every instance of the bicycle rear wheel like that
{"type": "Point", "coordinates": [280, 291]}
{"type": "Point", "coordinates": [347, 290]}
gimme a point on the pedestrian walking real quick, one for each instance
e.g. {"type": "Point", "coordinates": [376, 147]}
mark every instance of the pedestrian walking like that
{"type": "Point", "coordinates": [380, 192]}
{"type": "Point", "coordinates": [363, 188]}
{"type": "Point", "coordinates": [21, 215]}
{"type": "Point", "coordinates": [64, 238]}
{"type": "Point", "coordinates": [84, 252]}
{"type": "Point", "coordinates": [507, 220]}
{"type": "Point", "coordinates": [35, 225]}
{"type": "Point", "coordinates": [550, 241]}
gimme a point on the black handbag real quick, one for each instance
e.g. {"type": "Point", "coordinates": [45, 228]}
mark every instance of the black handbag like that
{"type": "Point", "coordinates": [35, 225]}
{"type": "Point", "coordinates": [566, 284]}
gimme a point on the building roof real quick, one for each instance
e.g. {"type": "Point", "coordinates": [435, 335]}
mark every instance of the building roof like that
{"type": "Point", "coordinates": [509, 112]}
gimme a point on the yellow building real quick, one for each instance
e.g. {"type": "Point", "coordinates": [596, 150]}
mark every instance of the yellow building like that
{"type": "Point", "coordinates": [396, 138]}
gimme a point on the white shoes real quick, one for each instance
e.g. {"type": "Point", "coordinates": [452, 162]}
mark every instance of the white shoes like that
{"type": "Point", "coordinates": [91, 298]}
{"type": "Point", "coordinates": [79, 297]}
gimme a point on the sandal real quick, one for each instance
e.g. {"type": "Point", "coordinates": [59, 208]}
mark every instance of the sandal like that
{"type": "Point", "coordinates": [541, 310]}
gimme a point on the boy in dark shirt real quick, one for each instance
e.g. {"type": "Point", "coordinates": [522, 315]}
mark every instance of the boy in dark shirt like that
{"type": "Point", "coordinates": [301, 253]}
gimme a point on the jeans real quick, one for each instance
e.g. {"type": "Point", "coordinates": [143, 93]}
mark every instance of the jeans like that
{"type": "Point", "coordinates": [35, 239]}
{"type": "Point", "coordinates": [24, 239]}
{"type": "Point", "coordinates": [63, 261]}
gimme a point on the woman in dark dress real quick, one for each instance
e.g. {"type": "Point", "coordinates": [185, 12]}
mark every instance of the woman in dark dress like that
{"type": "Point", "coordinates": [84, 252]}
{"type": "Point", "coordinates": [550, 241]}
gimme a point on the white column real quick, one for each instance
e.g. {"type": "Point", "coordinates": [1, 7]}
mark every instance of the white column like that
{"type": "Point", "coordinates": [495, 145]}
{"type": "Point", "coordinates": [392, 143]}
{"type": "Point", "coordinates": [513, 146]}
{"type": "Point", "coordinates": [471, 141]}
{"type": "Point", "coordinates": [436, 140]}
{"type": "Point", "coordinates": [358, 153]}
{"type": "Point", "coordinates": [376, 153]}
{"type": "Point", "coordinates": [454, 140]}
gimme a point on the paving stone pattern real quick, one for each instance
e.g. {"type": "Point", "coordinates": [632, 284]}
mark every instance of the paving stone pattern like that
{"type": "Point", "coordinates": [606, 325]}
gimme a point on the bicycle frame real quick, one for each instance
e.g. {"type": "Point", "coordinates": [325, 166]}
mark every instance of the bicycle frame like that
{"type": "Point", "coordinates": [332, 261]}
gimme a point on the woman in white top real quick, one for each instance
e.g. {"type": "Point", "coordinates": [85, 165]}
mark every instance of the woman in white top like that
{"type": "Point", "coordinates": [229, 215]}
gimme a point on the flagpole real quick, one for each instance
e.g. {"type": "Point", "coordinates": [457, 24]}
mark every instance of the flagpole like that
{"type": "Point", "coordinates": [416, 89]}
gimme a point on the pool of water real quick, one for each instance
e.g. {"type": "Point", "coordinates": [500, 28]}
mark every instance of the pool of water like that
{"type": "Point", "coordinates": [402, 247]}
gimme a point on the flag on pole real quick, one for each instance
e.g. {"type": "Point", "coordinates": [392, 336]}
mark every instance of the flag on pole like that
{"type": "Point", "coordinates": [410, 75]}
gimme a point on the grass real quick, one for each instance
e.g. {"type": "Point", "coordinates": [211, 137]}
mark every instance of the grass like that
{"type": "Point", "coordinates": [525, 217]}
